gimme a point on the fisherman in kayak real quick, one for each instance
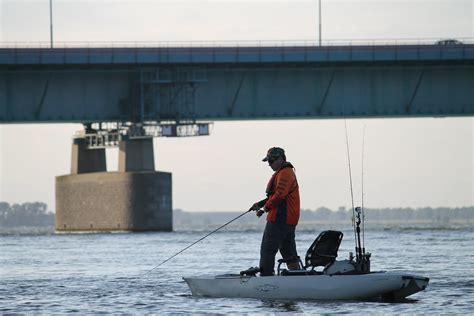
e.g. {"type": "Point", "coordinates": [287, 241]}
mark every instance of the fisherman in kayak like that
{"type": "Point", "coordinates": [282, 206]}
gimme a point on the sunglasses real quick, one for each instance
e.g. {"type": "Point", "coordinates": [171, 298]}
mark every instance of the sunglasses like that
{"type": "Point", "coordinates": [270, 161]}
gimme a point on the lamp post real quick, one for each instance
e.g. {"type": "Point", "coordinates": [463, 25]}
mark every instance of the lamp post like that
{"type": "Point", "coordinates": [319, 22]}
{"type": "Point", "coordinates": [51, 22]}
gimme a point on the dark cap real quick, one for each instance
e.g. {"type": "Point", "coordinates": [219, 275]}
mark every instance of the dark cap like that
{"type": "Point", "coordinates": [274, 153]}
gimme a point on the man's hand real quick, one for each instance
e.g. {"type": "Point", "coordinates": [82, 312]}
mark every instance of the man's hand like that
{"type": "Point", "coordinates": [255, 206]}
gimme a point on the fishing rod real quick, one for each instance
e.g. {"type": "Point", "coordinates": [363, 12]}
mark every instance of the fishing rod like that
{"type": "Point", "coordinates": [215, 230]}
{"type": "Point", "coordinates": [352, 193]}
{"type": "Point", "coordinates": [362, 259]}
{"type": "Point", "coordinates": [363, 210]}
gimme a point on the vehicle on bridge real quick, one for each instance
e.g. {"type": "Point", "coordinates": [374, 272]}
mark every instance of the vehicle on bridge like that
{"type": "Point", "coordinates": [449, 42]}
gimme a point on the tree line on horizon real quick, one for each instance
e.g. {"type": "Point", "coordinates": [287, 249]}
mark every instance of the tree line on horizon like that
{"type": "Point", "coordinates": [36, 214]}
{"type": "Point", "coordinates": [33, 214]}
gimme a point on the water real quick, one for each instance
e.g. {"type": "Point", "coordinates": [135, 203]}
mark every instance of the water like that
{"type": "Point", "coordinates": [106, 273]}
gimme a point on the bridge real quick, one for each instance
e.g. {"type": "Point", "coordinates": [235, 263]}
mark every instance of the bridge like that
{"type": "Point", "coordinates": [220, 83]}
{"type": "Point", "coordinates": [124, 96]}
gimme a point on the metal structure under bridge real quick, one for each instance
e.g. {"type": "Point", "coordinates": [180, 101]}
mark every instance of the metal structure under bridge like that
{"type": "Point", "coordinates": [126, 96]}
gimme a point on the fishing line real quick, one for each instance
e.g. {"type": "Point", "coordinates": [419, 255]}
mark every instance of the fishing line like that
{"type": "Point", "coordinates": [215, 230]}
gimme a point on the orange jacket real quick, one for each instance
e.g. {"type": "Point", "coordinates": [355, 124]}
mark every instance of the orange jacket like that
{"type": "Point", "coordinates": [283, 196]}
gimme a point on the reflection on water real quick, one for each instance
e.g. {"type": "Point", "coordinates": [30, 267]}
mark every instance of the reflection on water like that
{"type": "Point", "coordinates": [281, 306]}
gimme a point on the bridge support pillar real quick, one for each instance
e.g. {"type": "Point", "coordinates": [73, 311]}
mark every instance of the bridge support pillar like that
{"type": "Point", "coordinates": [136, 155]}
{"type": "Point", "coordinates": [84, 160]}
{"type": "Point", "coordinates": [136, 198]}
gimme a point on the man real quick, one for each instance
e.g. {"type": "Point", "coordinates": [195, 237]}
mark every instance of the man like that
{"type": "Point", "coordinates": [283, 207]}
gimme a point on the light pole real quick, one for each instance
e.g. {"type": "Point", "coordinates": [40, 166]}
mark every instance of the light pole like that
{"type": "Point", "coordinates": [319, 22]}
{"type": "Point", "coordinates": [51, 22]}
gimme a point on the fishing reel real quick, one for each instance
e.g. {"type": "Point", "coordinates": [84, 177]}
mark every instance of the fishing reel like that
{"type": "Point", "coordinates": [258, 207]}
{"type": "Point", "coordinates": [258, 210]}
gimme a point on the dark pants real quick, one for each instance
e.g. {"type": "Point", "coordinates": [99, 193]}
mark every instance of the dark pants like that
{"type": "Point", "coordinates": [276, 237]}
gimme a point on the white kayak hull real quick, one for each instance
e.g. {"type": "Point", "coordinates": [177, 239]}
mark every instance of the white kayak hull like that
{"type": "Point", "coordinates": [376, 285]}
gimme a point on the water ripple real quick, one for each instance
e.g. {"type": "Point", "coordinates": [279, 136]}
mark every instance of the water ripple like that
{"type": "Point", "coordinates": [107, 273]}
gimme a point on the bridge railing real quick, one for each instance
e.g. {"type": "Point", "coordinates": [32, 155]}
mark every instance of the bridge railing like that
{"type": "Point", "coordinates": [236, 43]}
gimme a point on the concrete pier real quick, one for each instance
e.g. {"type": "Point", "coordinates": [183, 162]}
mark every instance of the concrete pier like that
{"type": "Point", "coordinates": [136, 198]}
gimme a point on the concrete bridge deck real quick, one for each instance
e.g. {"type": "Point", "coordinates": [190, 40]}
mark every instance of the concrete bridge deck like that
{"type": "Point", "coordinates": [20, 57]}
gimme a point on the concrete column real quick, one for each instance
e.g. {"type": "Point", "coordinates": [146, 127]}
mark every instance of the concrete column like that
{"type": "Point", "coordinates": [85, 160]}
{"type": "Point", "coordinates": [136, 155]}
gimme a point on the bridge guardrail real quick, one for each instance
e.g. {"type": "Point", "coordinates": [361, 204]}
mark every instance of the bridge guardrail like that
{"type": "Point", "coordinates": [230, 43]}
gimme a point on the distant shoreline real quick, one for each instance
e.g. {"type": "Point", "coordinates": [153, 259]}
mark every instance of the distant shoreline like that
{"type": "Point", "coordinates": [423, 217]}
{"type": "Point", "coordinates": [36, 218]}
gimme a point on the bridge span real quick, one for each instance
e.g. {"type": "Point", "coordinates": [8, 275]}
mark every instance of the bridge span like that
{"type": "Point", "coordinates": [227, 83]}
{"type": "Point", "coordinates": [126, 96]}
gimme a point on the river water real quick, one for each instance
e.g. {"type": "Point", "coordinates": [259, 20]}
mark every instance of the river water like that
{"type": "Point", "coordinates": [107, 273]}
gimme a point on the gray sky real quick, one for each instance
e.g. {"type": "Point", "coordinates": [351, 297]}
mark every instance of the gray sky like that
{"type": "Point", "coordinates": [408, 162]}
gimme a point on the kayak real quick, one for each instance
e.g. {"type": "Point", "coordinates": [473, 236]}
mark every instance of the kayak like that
{"type": "Point", "coordinates": [338, 280]}
{"type": "Point", "coordinates": [374, 285]}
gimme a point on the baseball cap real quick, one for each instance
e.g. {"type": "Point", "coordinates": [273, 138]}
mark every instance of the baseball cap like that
{"type": "Point", "coordinates": [274, 153]}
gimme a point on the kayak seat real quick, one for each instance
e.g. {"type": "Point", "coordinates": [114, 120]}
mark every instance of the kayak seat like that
{"type": "Point", "coordinates": [323, 250]}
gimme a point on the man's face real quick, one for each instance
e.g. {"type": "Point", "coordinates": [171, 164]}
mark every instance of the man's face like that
{"type": "Point", "coordinates": [275, 164]}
